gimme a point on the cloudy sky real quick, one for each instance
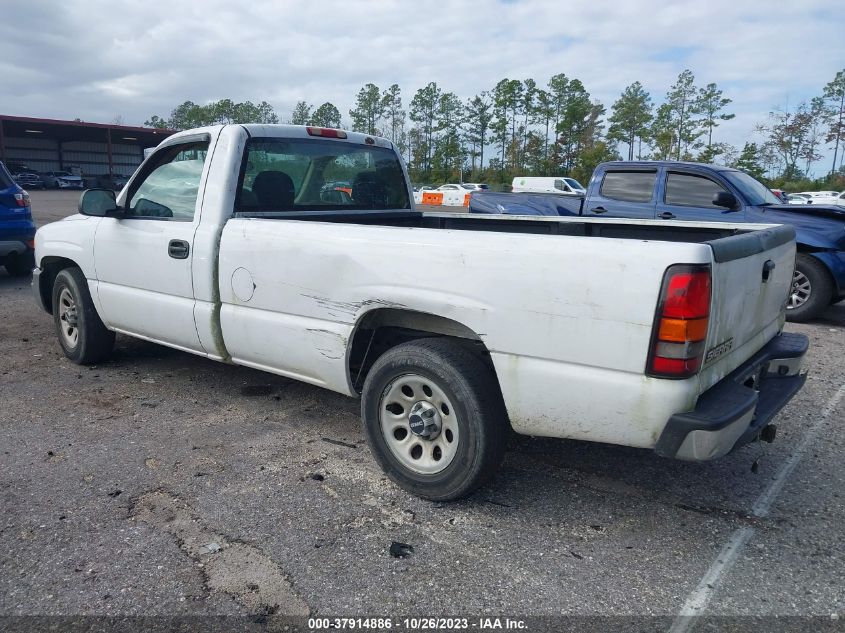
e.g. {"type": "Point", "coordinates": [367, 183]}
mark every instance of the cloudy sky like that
{"type": "Point", "coordinates": [99, 59]}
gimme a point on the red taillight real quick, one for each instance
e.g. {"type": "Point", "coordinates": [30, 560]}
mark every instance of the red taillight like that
{"type": "Point", "coordinates": [326, 132]}
{"type": "Point", "coordinates": [680, 328]}
{"type": "Point", "coordinates": [688, 295]}
{"type": "Point", "coordinates": [22, 199]}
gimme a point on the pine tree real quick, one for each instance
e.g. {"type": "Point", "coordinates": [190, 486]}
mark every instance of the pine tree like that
{"type": "Point", "coordinates": [834, 95]}
{"type": "Point", "coordinates": [301, 114]}
{"type": "Point", "coordinates": [368, 110]}
{"type": "Point", "coordinates": [327, 115]}
{"type": "Point", "coordinates": [710, 104]}
{"type": "Point", "coordinates": [683, 106]}
{"type": "Point", "coordinates": [631, 114]}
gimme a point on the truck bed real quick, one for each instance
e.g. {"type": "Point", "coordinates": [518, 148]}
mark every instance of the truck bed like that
{"type": "Point", "coordinates": [617, 228]}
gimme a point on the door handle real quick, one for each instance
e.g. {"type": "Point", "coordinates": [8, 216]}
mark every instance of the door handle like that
{"type": "Point", "coordinates": [768, 267]}
{"type": "Point", "coordinates": [666, 215]}
{"type": "Point", "coordinates": [598, 210]}
{"type": "Point", "coordinates": [178, 249]}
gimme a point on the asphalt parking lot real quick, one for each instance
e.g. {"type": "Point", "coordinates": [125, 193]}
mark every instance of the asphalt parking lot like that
{"type": "Point", "coordinates": [160, 483]}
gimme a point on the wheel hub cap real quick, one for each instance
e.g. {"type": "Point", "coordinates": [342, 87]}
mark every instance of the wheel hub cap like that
{"type": "Point", "coordinates": [69, 317]}
{"type": "Point", "coordinates": [424, 420]}
{"type": "Point", "coordinates": [801, 290]}
{"type": "Point", "coordinates": [419, 423]}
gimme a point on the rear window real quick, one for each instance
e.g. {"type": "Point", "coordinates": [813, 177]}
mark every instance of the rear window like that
{"type": "Point", "coordinates": [630, 186]}
{"type": "Point", "coordinates": [691, 191]}
{"type": "Point", "coordinates": [282, 175]}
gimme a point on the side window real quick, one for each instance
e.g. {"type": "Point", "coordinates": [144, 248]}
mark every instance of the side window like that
{"type": "Point", "coordinates": [560, 185]}
{"type": "Point", "coordinates": [691, 191]}
{"type": "Point", "coordinates": [630, 186]}
{"type": "Point", "coordinates": [170, 189]}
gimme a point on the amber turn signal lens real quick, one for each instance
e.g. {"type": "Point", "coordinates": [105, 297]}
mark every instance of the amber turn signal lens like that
{"type": "Point", "coordinates": [682, 330]}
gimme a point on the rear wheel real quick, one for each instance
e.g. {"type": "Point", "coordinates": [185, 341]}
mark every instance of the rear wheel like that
{"type": "Point", "coordinates": [434, 418]}
{"type": "Point", "coordinates": [82, 335]}
{"type": "Point", "coordinates": [812, 289]}
{"type": "Point", "coordinates": [20, 265]}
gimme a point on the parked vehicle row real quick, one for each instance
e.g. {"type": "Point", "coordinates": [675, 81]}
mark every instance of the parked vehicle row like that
{"type": "Point", "coordinates": [670, 190]}
{"type": "Point", "coordinates": [463, 186]}
{"type": "Point", "coordinates": [659, 335]}
{"type": "Point", "coordinates": [66, 180]}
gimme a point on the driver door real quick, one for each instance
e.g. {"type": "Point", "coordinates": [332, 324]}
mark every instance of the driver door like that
{"type": "Point", "coordinates": [689, 196]}
{"type": "Point", "coordinates": [143, 259]}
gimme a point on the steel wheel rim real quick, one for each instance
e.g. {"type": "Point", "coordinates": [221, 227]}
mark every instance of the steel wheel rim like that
{"type": "Point", "coordinates": [426, 456]}
{"type": "Point", "coordinates": [68, 318]}
{"type": "Point", "coordinates": [800, 292]}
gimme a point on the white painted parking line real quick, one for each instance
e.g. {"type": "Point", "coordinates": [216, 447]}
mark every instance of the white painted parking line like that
{"type": "Point", "coordinates": [697, 602]}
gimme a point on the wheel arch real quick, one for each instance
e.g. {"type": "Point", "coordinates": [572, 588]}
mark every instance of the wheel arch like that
{"type": "Point", "coordinates": [825, 257]}
{"type": "Point", "coordinates": [51, 266]}
{"type": "Point", "coordinates": [380, 329]}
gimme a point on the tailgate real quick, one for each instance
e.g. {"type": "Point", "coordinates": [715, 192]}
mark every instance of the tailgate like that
{"type": "Point", "coordinates": [751, 278]}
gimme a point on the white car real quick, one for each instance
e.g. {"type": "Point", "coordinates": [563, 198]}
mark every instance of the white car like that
{"type": "Point", "coordinates": [797, 198]}
{"type": "Point", "coordinates": [62, 180]}
{"type": "Point", "coordinates": [654, 334]}
{"type": "Point", "coordinates": [829, 197]}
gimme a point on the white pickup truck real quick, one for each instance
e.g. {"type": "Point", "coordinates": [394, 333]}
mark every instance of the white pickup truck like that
{"type": "Point", "coordinates": [298, 251]}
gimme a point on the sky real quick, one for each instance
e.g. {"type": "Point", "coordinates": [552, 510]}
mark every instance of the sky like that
{"type": "Point", "coordinates": [99, 60]}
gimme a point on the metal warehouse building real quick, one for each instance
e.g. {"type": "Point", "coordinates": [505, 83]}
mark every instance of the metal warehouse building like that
{"type": "Point", "coordinates": [88, 149]}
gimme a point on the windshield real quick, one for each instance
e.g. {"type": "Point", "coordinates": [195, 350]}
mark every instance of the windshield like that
{"type": "Point", "coordinates": [320, 175]}
{"type": "Point", "coordinates": [754, 192]}
{"type": "Point", "coordinates": [573, 183]}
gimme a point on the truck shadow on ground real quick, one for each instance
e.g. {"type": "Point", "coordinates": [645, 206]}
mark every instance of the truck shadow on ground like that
{"type": "Point", "coordinates": [834, 315]}
{"type": "Point", "coordinates": [535, 473]}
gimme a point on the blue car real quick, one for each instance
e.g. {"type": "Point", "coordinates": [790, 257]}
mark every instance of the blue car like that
{"type": "Point", "coordinates": [17, 230]}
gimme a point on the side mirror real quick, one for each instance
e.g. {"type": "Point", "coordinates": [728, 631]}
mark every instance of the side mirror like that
{"type": "Point", "coordinates": [98, 202]}
{"type": "Point", "coordinates": [725, 199]}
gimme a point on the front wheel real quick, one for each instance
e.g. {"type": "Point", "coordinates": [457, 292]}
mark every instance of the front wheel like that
{"type": "Point", "coordinates": [812, 289]}
{"type": "Point", "coordinates": [434, 418]}
{"type": "Point", "coordinates": [82, 335]}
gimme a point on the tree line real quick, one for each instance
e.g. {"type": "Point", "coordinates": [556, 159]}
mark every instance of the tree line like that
{"type": "Point", "coordinates": [520, 127]}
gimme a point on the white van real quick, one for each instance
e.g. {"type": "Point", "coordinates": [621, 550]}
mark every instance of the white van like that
{"type": "Point", "coordinates": [548, 184]}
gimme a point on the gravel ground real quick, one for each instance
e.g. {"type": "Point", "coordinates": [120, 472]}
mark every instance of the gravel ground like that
{"type": "Point", "coordinates": [160, 483]}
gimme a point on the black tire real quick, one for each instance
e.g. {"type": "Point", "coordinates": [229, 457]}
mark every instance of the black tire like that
{"type": "Point", "coordinates": [821, 289]}
{"type": "Point", "coordinates": [20, 265]}
{"type": "Point", "coordinates": [480, 417]}
{"type": "Point", "coordinates": [93, 341]}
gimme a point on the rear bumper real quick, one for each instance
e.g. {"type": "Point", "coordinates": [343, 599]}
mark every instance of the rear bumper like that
{"type": "Point", "coordinates": [14, 246]}
{"type": "Point", "coordinates": [735, 410]}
